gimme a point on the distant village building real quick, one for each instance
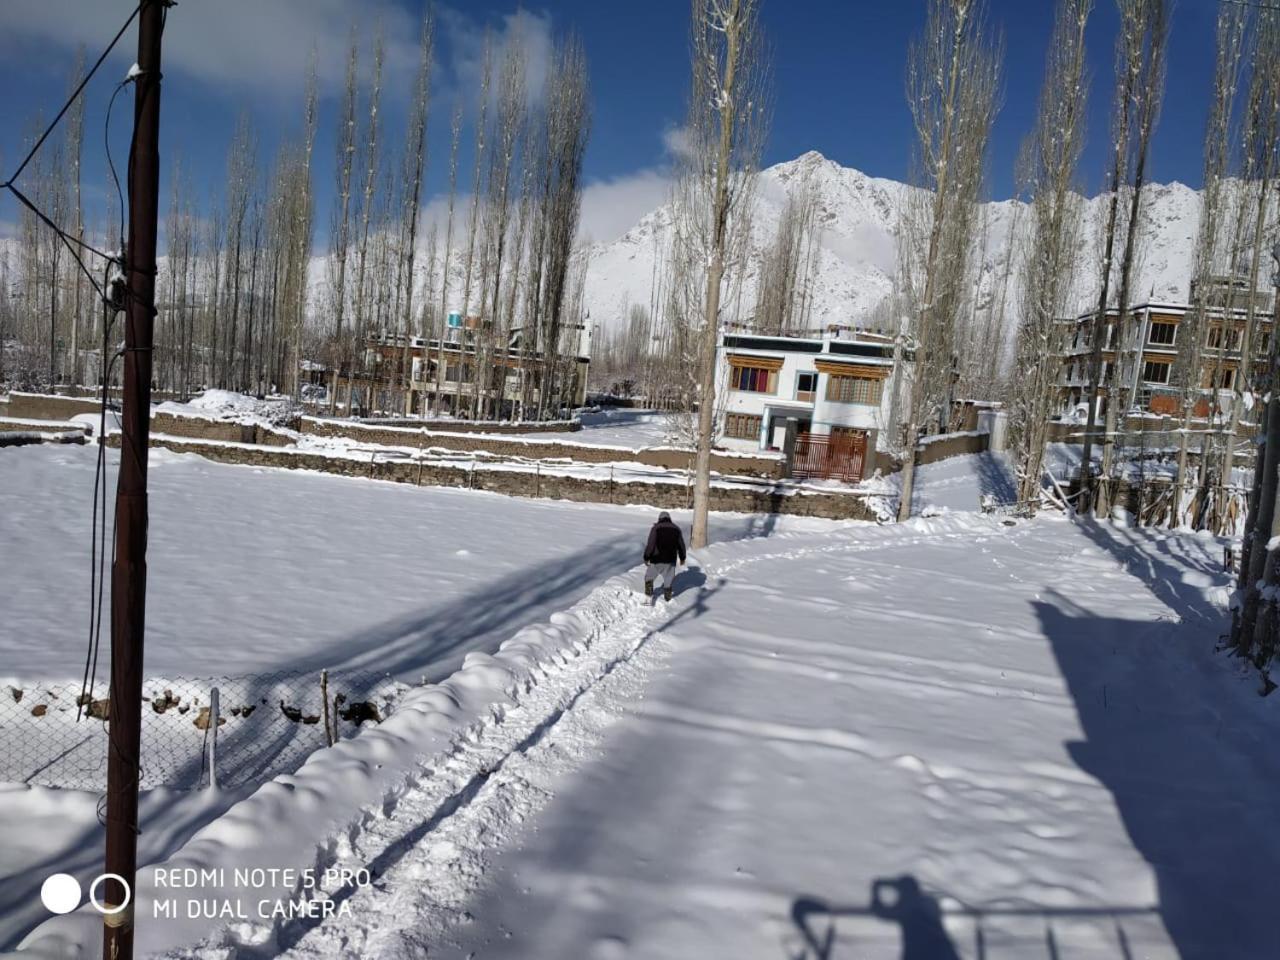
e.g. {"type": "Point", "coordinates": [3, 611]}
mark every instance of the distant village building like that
{"type": "Point", "coordinates": [1138, 366]}
{"type": "Point", "coordinates": [518, 373]}
{"type": "Point", "coordinates": [839, 386]}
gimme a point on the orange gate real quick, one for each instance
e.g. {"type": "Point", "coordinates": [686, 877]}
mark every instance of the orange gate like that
{"type": "Point", "coordinates": [840, 456]}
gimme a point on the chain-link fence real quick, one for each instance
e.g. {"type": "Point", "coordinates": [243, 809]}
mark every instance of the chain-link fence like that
{"type": "Point", "coordinates": [53, 735]}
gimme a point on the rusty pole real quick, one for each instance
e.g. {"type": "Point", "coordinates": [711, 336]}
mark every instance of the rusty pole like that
{"type": "Point", "coordinates": [129, 569]}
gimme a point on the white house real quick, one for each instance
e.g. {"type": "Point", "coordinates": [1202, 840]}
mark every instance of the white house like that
{"type": "Point", "coordinates": [839, 386]}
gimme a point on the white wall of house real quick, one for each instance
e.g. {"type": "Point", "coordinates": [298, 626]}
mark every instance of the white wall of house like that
{"type": "Point", "coordinates": [798, 389]}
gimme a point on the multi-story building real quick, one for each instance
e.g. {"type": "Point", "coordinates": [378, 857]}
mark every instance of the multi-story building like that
{"type": "Point", "coordinates": [839, 385]}
{"type": "Point", "coordinates": [518, 373]}
{"type": "Point", "coordinates": [1138, 362]}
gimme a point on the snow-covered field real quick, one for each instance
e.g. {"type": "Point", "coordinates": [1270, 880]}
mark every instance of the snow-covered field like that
{"type": "Point", "coordinates": [618, 428]}
{"type": "Point", "coordinates": [257, 570]}
{"type": "Point", "coordinates": [947, 738]}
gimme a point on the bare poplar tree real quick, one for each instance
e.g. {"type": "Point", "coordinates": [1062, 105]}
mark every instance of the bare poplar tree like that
{"type": "Point", "coordinates": [785, 263]}
{"type": "Point", "coordinates": [1210, 241]}
{"type": "Point", "coordinates": [567, 127]}
{"type": "Point", "coordinates": [1262, 132]}
{"type": "Point", "coordinates": [340, 230]}
{"type": "Point", "coordinates": [455, 128]}
{"type": "Point", "coordinates": [75, 151]}
{"type": "Point", "coordinates": [510, 114]}
{"type": "Point", "coordinates": [301, 215]}
{"type": "Point", "coordinates": [1139, 88]}
{"type": "Point", "coordinates": [241, 164]}
{"type": "Point", "coordinates": [725, 127]}
{"type": "Point", "coordinates": [952, 78]}
{"type": "Point", "coordinates": [1053, 159]}
{"type": "Point", "coordinates": [415, 160]}
{"type": "Point", "coordinates": [1260, 160]}
{"type": "Point", "coordinates": [369, 159]}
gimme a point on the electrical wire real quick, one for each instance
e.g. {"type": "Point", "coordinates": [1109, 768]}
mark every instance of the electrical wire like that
{"type": "Point", "coordinates": [72, 99]}
{"type": "Point", "coordinates": [106, 137]}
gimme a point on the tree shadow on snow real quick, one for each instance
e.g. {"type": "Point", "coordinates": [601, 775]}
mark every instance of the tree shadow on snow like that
{"type": "Point", "coordinates": [1185, 750]}
{"type": "Point", "coordinates": [432, 642]}
{"type": "Point", "coordinates": [995, 478]}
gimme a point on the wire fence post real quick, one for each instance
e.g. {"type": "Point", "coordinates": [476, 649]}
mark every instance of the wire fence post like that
{"type": "Point", "coordinates": [213, 738]}
{"type": "Point", "coordinates": [611, 483]}
{"type": "Point", "coordinates": [324, 697]}
{"type": "Point", "coordinates": [537, 480]}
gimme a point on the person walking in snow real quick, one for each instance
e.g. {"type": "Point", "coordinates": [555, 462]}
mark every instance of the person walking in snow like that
{"type": "Point", "coordinates": [664, 547]}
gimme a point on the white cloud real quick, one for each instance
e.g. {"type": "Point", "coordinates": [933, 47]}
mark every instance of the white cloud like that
{"type": "Point", "coordinates": [677, 142]}
{"type": "Point", "coordinates": [613, 206]}
{"type": "Point", "coordinates": [464, 40]}
{"type": "Point", "coordinates": [610, 205]}
{"type": "Point", "coordinates": [263, 45]}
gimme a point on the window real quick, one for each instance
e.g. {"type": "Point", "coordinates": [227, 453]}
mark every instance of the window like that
{"type": "Point", "coordinates": [1227, 379]}
{"type": "Point", "coordinates": [1154, 371]}
{"type": "Point", "coordinates": [752, 379]}
{"type": "Point", "coordinates": [806, 386]}
{"type": "Point", "coordinates": [1264, 342]}
{"type": "Point", "coordinates": [1162, 333]}
{"type": "Point", "coordinates": [842, 389]}
{"type": "Point", "coordinates": [458, 372]}
{"type": "Point", "coordinates": [742, 426]}
{"type": "Point", "coordinates": [1213, 339]}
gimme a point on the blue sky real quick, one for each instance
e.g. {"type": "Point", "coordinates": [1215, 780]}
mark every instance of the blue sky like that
{"type": "Point", "coordinates": [838, 82]}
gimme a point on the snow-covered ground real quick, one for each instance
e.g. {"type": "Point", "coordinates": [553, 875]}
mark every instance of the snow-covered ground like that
{"type": "Point", "coordinates": [616, 427]}
{"type": "Point", "coordinates": [955, 485]}
{"type": "Point", "coordinates": [258, 570]}
{"type": "Point", "coordinates": [955, 737]}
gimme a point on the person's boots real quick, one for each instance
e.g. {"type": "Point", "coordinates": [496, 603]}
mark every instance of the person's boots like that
{"type": "Point", "coordinates": [648, 588]}
{"type": "Point", "coordinates": [666, 594]}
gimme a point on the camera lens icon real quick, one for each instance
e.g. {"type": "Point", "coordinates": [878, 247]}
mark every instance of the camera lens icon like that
{"type": "Point", "coordinates": [61, 893]}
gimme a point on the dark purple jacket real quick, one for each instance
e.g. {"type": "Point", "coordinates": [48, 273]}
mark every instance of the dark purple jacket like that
{"type": "Point", "coordinates": [666, 543]}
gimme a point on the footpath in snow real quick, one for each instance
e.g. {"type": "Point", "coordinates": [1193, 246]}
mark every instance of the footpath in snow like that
{"type": "Point", "coordinates": [977, 742]}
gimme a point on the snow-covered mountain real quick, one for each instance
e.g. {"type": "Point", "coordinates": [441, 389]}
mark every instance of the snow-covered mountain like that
{"type": "Point", "coordinates": [858, 217]}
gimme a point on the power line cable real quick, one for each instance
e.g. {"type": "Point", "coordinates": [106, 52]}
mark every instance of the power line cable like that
{"type": "Point", "coordinates": [71, 99]}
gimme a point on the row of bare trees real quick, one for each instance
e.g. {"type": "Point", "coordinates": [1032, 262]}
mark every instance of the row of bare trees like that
{"type": "Point", "coordinates": [243, 310]}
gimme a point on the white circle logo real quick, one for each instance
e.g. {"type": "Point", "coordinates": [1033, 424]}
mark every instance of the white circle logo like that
{"type": "Point", "coordinates": [60, 893]}
{"type": "Point", "coordinates": [102, 908]}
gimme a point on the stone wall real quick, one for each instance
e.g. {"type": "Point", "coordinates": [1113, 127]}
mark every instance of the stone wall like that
{"type": "Point", "coordinates": [201, 429]}
{"type": "Point", "coordinates": [476, 426]}
{"type": "Point", "coordinates": [43, 426]}
{"type": "Point", "coordinates": [834, 506]}
{"type": "Point", "coordinates": [41, 406]}
{"type": "Point", "coordinates": [666, 457]}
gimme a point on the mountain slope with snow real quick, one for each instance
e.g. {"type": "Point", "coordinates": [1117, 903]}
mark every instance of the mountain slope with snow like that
{"type": "Point", "coordinates": [858, 218]}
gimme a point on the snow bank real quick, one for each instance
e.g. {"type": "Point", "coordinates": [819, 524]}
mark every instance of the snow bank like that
{"type": "Point", "coordinates": [228, 405]}
{"type": "Point", "coordinates": [294, 822]}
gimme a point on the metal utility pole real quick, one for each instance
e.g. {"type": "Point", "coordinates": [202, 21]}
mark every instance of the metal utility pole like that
{"type": "Point", "coordinates": [129, 569]}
